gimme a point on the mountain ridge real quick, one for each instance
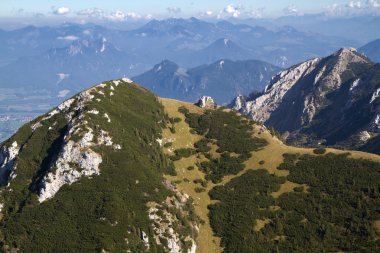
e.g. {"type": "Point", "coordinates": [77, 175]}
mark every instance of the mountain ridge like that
{"type": "Point", "coordinates": [83, 140]}
{"type": "Point", "coordinates": [331, 86]}
{"type": "Point", "coordinates": [168, 79]}
{"type": "Point", "coordinates": [116, 168]}
{"type": "Point", "coordinates": [372, 50]}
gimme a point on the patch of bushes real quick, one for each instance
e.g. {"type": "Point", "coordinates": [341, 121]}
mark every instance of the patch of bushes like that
{"type": "Point", "coordinates": [182, 153]}
{"type": "Point", "coordinates": [183, 110]}
{"type": "Point", "coordinates": [230, 133]}
{"type": "Point", "coordinates": [215, 169]}
{"type": "Point", "coordinates": [336, 214]}
{"type": "Point", "coordinates": [172, 129]}
{"type": "Point", "coordinates": [168, 144]}
{"type": "Point", "coordinates": [199, 189]}
{"type": "Point", "coordinates": [202, 146]}
{"type": "Point", "coordinates": [201, 182]}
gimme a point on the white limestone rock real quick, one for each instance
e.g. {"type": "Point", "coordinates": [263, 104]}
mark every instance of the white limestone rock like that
{"type": "Point", "coordinates": [375, 95]}
{"type": "Point", "coordinates": [239, 103]}
{"type": "Point", "coordinates": [93, 111]}
{"type": "Point", "coordinates": [104, 138]}
{"type": "Point", "coordinates": [164, 224]}
{"type": "Point", "coordinates": [261, 108]}
{"type": "Point", "coordinates": [8, 156]}
{"type": "Point", "coordinates": [364, 136]}
{"type": "Point", "coordinates": [86, 163]}
{"type": "Point", "coordinates": [206, 102]}
{"type": "Point", "coordinates": [62, 108]}
{"type": "Point", "coordinates": [127, 80]}
{"type": "Point", "coordinates": [145, 239]}
{"type": "Point", "coordinates": [107, 117]}
{"type": "Point", "coordinates": [375, 123]}
{"type": "Point", "coordinates": [76, 159]}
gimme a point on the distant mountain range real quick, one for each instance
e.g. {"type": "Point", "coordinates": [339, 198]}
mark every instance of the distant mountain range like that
{"type": "Point", "coordinates": [223, 80]}
{"type": "Point", "coordinates": [68, 69]}
{"type": "Point", "coordinates": [372, 50]}
{"type": "Point", "coordinates": [331, 101]}
{"type": "Point", "coordinates": [184, 37]}
{"type": "Point", "coordinates": [69, 57]}
{"type": "Point", "coordinates": [56, 62]}
{"type": "Point", "coordinates": [363, 28]}
{"type": "Point", "coordinates": [175, 38]}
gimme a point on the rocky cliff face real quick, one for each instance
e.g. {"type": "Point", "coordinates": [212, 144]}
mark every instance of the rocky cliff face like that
{"type": "Point", "coordinates": [91, 171]}
{"type": "Point", "coordinates": [315, 101]}
{"type": "Point", "coordinates": [206, 102]}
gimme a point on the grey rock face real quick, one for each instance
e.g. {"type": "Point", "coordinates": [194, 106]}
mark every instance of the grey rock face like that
{"type": "Point", "coordinates": [330, 100]}
{"type": "Point", "coordinates": [206, 102]}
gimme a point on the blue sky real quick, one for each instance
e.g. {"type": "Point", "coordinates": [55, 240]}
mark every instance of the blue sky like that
{"type": "Point", "coordinates": [124, 9]}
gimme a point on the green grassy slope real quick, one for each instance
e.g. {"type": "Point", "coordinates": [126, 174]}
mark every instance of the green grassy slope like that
{"type": "Point", "coordinates": [106, 212]}
{"type": "Point", "coordinates": [284, 199]}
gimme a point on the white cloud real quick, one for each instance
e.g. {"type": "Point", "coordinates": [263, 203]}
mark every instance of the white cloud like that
{"type": "Point", "coordinates": [61, 10]}
{"type": "Point", "coordinates": [117, 16]}
{"type": "Point", "coordinates": [257, 13]}
{"type": "Point", "coordinates": [68, 38]}
{"type": "Point", "coordinates": [112, 16]}
{"type": "Point", "coordinates": [354, 8]}
{"type": "Point", "coordinates": [206, 14]}
{"type": "Point", "coordinates": [373, 3]}
{"type": "Point", "coordinates": [91, 12]}
{"type": "Point", "coordinates": [355, 4]}
{"type": "Point", "coordinates": [148, 16]}
{"type": "Point", "coordinates": [133, 15]}
{"type": "Point", "coordinates": [174, 10]}
{"type": "Point", "coordinates": [334, 9]}
{"type": "Point", "coordinates": [291, 10]}
{"type": "Point", "coordinates": [233, 10]}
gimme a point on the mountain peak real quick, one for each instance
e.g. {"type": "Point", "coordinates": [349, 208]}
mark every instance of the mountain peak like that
{"type": "Point", "coordinates": [350, 55]}
{"type": "Point", "coordinates": [329, 89]}
{"type": "Point", "coordinates": [371, 50]}
{"type": "Point", "coordinates": [166, 65]}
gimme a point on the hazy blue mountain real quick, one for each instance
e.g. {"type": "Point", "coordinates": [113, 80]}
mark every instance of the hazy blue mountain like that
{"type": "Point", "coordinates": [181, 39]}
{"type": "Point", "coordinates": [176, 39]}
{"type": "Point", "coordinates": [362, 28]}
{"type": "Point", "coordinates": [70, 68]}
{"type": "Point", "coordinates": [220, 49]}
{"type": "Point", "coordinates": [38, 59]}
{"type": "Point", "coordinates": [32, 40]}
{"type": "Point", "coordinates": [222, 80]}
{"type": "Point", "coordinates": [372, 50]}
